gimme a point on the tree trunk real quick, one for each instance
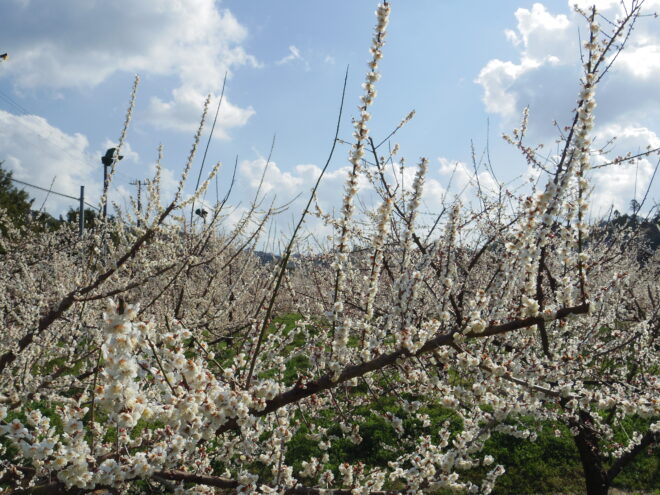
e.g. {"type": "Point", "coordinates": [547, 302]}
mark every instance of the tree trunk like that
{"type": "Point", "coordinates": [586, 441]}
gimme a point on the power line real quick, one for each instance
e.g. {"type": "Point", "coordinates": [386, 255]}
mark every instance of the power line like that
{"type": "Point", "coordinates": [14, 103]}
{"type": "Point", "coordinates": [52, 192]}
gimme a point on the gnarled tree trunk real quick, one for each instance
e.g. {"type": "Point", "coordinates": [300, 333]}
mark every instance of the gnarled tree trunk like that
{"type": "Point", "coordinates": [586, 441]}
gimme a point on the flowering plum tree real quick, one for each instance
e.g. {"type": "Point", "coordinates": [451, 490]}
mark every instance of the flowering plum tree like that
{"type": "Point", "coordinates": [498, 317]}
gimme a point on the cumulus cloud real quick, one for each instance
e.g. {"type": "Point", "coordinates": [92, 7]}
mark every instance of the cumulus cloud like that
{"type": "Point", "coordinates": [183, 112]}
{"type": "Point", "coordinates": [547, 44]}
{"type": "Point", "coordinates": [465, 182]}
{"type": "Point", "coordinates": [289, 189]}
{"type": "Point", "coordinates": [496, 78]}
{"type": "Point", "coordinates": [546, 75]}
{"type": "Point", "coordinates": [80, 44]}
{"type": "Point", "coordinates": [643, 62]}
{"type": "Point", "coordinates": [75, 43]}
{"type": "Point", "coordinates": [293, 186]}
{"type": "Point", "coordinates": [286, 185]}
{"type": "Point", "coordinates": [274, 179]}
{"type": "Point", "coordinates": [544, 36]}
{"type": "Point", "coordinates": [40, 154]}
{"type": "Point", "coordinates": [615, 186]}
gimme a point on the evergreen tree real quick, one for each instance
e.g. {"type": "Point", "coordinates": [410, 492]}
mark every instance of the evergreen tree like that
{"type": "Point", "coordinates": [18, 206]}
{"type": "Point", "coordinates": [15, 202]}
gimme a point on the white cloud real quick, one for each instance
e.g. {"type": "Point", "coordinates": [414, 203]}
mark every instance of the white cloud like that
{"type": "Point", "coordinates": [298, 182]}
{"type": "Point", "coordinates": [465, 182]}
{"type": "Point", "coordinates": [546, 76]}
{"type": "Point", "coordinates": [274, 179]}
{"type": "Point", "coordinates": [512, 36]}
{"type": "Point", "coordinates": [616, 185]}
{"type": "Point", "coordinates": [75, 43]}
{"type": "Point", "coordinates": [629, 137]}
{"type": "Point", "coordinates": [183, 112]}
{"type": "Point", "coordinates": [300, 179]}
{"type": "Point", "coordinates": [545, 35]}
{"type": "Point", "coordinates": [497, 78]}
{"type": "Point", "coordinates": [39, 153]}
{"type": "Point", "coordinates": [294, 54]}
{"type": "Point", "coordinates": [546, 43]}
{"type": "Point", "coordinates": [643, 62]}
{"type": "Point", "coordinates": [80, 44]}
{"type": "Point", "coordinates": [610, 6]}
{"type": "Point", "coordinates": [294, 187]}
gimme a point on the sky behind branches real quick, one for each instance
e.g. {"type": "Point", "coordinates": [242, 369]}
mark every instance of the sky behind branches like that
{"type": "Point", "coordinates": [466, 68]}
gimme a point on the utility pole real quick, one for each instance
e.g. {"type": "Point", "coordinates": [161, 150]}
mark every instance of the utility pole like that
{"type": "Point", "coordinates": [110, 157]}
{"type": "Point", "coordinates": [81, 212]}
{"type": "Point", "coordinates": [138, 183]}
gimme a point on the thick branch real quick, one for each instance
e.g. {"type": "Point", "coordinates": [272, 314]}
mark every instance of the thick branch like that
{"type": "Point", "coordinates": [327, 382]}
{"type": "Point", "coordinates": [648, 439]}
{"type": "Point", "coordinates": [226, 483]}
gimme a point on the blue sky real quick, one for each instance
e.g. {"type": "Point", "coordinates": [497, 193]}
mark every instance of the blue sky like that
{"type": "Point", "coordinates": [467, 68]}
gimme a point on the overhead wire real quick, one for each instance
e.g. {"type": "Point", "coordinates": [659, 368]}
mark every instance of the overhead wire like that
{"type": "Point", "coordinates": [13, 103]}
{"type": "Point", "coordinates": [51, 191]}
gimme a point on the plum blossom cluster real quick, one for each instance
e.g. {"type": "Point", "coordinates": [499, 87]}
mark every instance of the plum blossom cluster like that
{"type": "Point", "coordinates": [145, 376]}
{"type": "Point", "coordinates": [361, 133]}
